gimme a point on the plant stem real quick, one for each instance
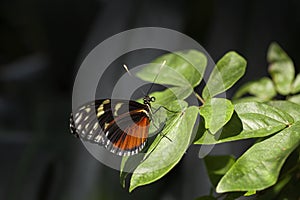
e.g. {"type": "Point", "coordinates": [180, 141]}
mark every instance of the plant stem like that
{"type": "Point", "coordinates": [199, 97]}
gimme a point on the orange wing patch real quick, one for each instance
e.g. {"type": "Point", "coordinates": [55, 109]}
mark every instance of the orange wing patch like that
{"type": "Point", "coordinates": [134, 136]}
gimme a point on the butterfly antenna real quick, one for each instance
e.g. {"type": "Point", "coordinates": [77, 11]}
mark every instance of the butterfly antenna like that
{"type": "Point", "coordinates": [164, 62]}
{"type": "Point", "coordinates": [127, 70]}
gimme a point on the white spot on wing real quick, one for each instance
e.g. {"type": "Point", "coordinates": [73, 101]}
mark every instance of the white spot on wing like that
{"type": "Point", "coordinates": [117, 107]}
{"type": "Point", "coordinates": [100, 113]}
{"type": "Point", "coordinates": [100, 108]}
{"type": "Point", "coordinates": [78, 119]}
{"type": "Point", "coordinates": [87, 125]}
{"type": "Point", "coordinates": [106, 134]}
{"type": "Point", "coordinates": [106, 101]}
{"type": "Point", "coordinates": [95, 126]}
{"type": "Point", "coordinates": [106, 125]}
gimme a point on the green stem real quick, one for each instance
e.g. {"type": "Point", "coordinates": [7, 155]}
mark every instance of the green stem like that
{"type": "Point", "coordinates": [199, 97]}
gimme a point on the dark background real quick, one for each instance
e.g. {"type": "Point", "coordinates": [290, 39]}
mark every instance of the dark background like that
{"type": "Point", "coordinates": [42, 44]}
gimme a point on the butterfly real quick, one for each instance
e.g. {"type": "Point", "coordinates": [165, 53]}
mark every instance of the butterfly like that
{"type": "Point", "coordinates": [121, 126]}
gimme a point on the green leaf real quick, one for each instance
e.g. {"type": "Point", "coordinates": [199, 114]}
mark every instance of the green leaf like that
{"type": "Point", "coordinates": [283, 75]}
{"type": "Point", "coordinates": [257, 119]}
{"type": "Point", "coordinates": [289, 107]}
{"type": "Point", "coordinates": [183, 69]}
{"type": "Point", "coordinates": [247, 99]}
{"type": "Point", "coordinates": [276, 54]}
{"type": "Point", "coordinates": [281, 69]}
{"type": "Point", "coordinates": [159, 118]}
{"type": "Point", "coordinates": [229, 69]}
{"type": "Point", "coordinates": [258, 168]}
{"type": "Point", "coordinates": [294, 99]}
{"type": "Point", "coordinates": [123, 173]}
{"type": "Point", "coordinates": [128, 164]}
{"type": "Point", "coordinates": [170, 94]}
{"type": "Point", "coordinates": [167, 149]}
{"type": "Point", "coordinates": [273, 192]}
{"type": "Point", "coordinates": [249, 193]}
{"type": "Point", "coordinates": [216, 112]}
{"type": "Point", "coordinates": [296, 85]}
{"type": "Point", "coordinates": [260, 109]}
{"type": "Point", "coordinates": [263, 89]}
{"type": "Point", "coordinates": [217, 166]}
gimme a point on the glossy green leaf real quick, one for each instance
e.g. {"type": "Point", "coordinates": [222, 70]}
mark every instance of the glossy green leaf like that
{"type": "Point", "coordinates": [159, 117]}
{"type": "Point", "coordinates": [163, 98]}
{"type": "Point", "coordinates": [128, 164]}
{"type": "Point", "coordinates": [273, 192]}
{"type": "Point", "coordinates": [182, 69]}
{"type": "Point", "coordinates": [263, 89]}
{"type": "Point", "coordinates": [283, 75]}
{"type": "Point", "coordinates": [294, 99]}
{"type": "Point", "coordinates": [255, 108]}
{"type": "Point", "coordinates": [247, 99]}
{"type": "Point", "coordinates": [296, 85]}
{"type": "Point", "coordinates": [249, 193]}
{"type": "Point", "coordinates": [217, 166]}
{"type": "Point", "coordinates": [216, 113]}
{"type": "Point", "coordinates": [258, 168]}
{"type": "Point", "coordinates": [170, 94]}
{"type": "Point", "coordinates": [291, 108]}
{"type": "Point", "coordinates": [229, 69]}
{"type": "Point", "coordinates": [252, 120]}
{"type": "Point", "coordinates": [276, 53]}
{"type": "Point", "coordinates": [168, 148]}
{"type": "Point", "coordinates": [281, 69]}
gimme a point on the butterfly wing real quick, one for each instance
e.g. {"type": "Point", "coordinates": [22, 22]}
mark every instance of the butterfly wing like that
{"type": "Point", "coordinates": [120, 126]}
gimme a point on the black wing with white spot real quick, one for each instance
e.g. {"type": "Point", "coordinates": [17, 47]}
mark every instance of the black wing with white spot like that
{"type": "Point", "coordinates": [107, 122]}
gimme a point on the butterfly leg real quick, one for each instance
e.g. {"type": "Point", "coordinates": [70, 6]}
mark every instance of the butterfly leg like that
{"type": "Point", "coordinates": [164, 108]}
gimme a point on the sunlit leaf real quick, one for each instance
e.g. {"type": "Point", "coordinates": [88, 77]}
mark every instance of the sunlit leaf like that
{"type": "Point", "coordinates": [167, 150]}
{"type": "Point", "coordinates": [263, 89]}
{"type": "Point", "coordinates": [283, 75]}
{"type": "Point", "coordinates": [294, 99]}
{"type": "Point", "coordinates": [291, 108]}
{"type": "Point", "coordinates": [276, 53]}
{"type": "Point", "coordinates": [182, 69]}
{"type": "Point", "coordinates": [216, 113]}
{"type": "Point", "coordinates": [258, 168]}
{"type": "Point", "coordinates": [170, 94]}
{"type": "Point", "coordinates": [249, 193]}
{"type": "Point", "coordinates": [296, 85]}
{"type": "Point", "coordinates": [252, 120]}
{"type": "Point", "coordinates": [217, 166]}
{"type": "Point", "coordinates": [229, 69]}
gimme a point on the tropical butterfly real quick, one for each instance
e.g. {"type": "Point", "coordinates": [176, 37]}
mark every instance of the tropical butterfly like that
{"type": "Point", "coordinates": [121, 126]}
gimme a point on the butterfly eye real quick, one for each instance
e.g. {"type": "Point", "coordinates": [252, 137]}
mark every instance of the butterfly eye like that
{"type": "Point", "coordinates": [152, 99]}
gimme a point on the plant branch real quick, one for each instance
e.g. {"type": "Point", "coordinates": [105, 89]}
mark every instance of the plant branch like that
{"type": "Point", "coordinates": [199, 97]}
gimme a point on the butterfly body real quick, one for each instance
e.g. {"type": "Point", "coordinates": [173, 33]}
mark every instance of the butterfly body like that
{"type": "Point", "coordinates": [121, 126]}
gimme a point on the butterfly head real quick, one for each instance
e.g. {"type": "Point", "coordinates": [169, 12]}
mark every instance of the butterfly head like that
{"type": "Point", "coordinates": [147, 100]}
